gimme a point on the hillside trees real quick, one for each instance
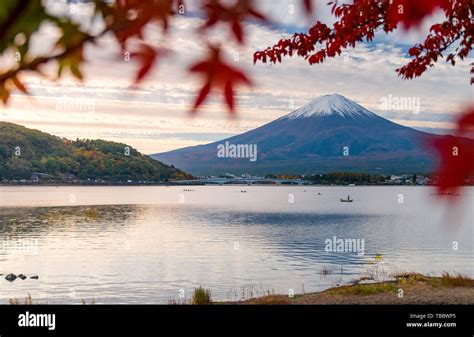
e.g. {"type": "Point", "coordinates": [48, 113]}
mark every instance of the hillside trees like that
{"type": "Point", "coordinates": [355, 21]}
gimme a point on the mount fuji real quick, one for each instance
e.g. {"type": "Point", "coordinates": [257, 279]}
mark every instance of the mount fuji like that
{"type": "Point", "coordinates": [331, 133]}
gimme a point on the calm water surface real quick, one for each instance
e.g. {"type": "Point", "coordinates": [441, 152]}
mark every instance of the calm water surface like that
{"type": "Point", "coordinates": [153, 244]}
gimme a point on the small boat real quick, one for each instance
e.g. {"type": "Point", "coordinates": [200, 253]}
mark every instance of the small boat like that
{"type": "Point", "coordinates": [347, 200]}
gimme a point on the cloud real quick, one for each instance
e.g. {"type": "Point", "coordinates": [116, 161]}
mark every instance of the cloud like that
{"type": "Point", "coordinates": [155, 116]}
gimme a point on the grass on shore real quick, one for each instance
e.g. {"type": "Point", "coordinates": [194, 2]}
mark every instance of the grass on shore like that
{"type": "Point", "coordinates": [446, 280]}
{"type": "Point", "coordinates": [201, 296]}
{"type": "Point", "coordinates": [457, 280]}
{"type": "Point", "coordinates": [26, 301]}
{"type": "Point", "coordinates": [405, 281]}
{"type": "Point", "coordinates": [364, 289]}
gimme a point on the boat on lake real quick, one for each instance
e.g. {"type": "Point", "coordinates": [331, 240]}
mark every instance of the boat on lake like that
{"type": "Point", "coordinates": [347, 200]}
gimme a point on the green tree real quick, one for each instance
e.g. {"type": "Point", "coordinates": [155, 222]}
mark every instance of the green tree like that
{"type": "Point", "coordinates": [19, 168]}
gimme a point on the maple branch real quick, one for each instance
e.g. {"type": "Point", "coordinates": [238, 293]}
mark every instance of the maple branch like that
{"type": "Point", "coordinates": [34, 64]}
{"type": "Point", "coordinates": [6, 25]}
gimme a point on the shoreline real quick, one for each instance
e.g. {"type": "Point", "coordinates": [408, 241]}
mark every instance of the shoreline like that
{"type": "Point", "coordinates": [404, 289]}
{"type": "Point", "coordinates": [407, 288]}
{"type": "Point", "coordinates": [170, 184]}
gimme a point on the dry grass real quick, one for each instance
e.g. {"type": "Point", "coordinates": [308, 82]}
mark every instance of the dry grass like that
{"type": "Point", "coordinates": [271, 299]}
{"type": "Point", "coordinates": [456, 280]}
{"type": "Point", "coordinates": [446, 280]}
{"type": "Point", "coordinates": [26, 301]}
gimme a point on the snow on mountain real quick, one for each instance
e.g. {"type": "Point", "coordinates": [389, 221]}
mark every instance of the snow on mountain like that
{"type": "Point", "coordinates": [312, 140]}
{"type": "Point", "coordinates": [330, 105]}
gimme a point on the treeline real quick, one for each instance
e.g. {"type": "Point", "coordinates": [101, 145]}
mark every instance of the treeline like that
{"type": "Point", "coordinates": [335, 178]}
{"type": "Point", "coordinates": [346, 178]}
{"type": "Point", "coordinates": [25, 153]}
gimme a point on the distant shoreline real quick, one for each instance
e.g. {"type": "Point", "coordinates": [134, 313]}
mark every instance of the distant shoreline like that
{"type": "Point", "coordinates": [88, 184]}
{"type": "Point", "coordinates": [203, 184]}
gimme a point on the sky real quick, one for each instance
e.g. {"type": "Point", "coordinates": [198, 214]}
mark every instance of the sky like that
{"type": "Point", "coordinates": [155, 116]}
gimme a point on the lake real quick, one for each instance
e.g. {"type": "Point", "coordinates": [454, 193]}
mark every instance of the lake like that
{"type": "Point", "coordinates": [155, 244]}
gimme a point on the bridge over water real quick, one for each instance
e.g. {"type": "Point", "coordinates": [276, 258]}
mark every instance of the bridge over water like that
{"type": "Point", "coordinates": [242, 181]}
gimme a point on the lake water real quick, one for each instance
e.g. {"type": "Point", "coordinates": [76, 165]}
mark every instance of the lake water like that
{"type": "Point", "coordinates": [156, 244]}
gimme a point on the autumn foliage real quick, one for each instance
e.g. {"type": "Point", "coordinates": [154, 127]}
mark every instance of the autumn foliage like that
{"type": "Point", "coordinates": [218, 74]}
{"type": "Point", "coordinates": [456, 155]}
{"type": "Point", "coordinates": [355, 22]}
{"type": "Point", "coordinates": [361, 20]}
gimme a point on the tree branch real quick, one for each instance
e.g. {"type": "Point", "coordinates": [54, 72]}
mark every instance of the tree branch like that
{"type": "Point", "coordinates": [12, 17]}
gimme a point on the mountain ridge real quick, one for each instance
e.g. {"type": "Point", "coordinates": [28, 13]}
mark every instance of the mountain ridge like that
{"type": "Point", "coordinates": [331, 133]}
{"type": "Point", "coordinates": [28, 152]}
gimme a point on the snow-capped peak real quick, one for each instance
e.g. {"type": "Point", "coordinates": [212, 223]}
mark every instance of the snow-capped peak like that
{"type": "Point", "coordinates": [331, 105]}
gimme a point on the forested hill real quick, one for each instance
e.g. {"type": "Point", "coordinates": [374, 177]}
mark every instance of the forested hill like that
{"type": "Point", "coordinates": [32, 154]}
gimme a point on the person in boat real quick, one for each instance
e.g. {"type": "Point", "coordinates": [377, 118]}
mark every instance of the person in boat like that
{"type": "Point", "coordinates": [347, 200]}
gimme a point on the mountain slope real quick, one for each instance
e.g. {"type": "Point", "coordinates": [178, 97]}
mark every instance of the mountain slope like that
{"type": "Point", "coordinates": [331, 133]}
{"type": "Point", "coordinates": [24, 151]}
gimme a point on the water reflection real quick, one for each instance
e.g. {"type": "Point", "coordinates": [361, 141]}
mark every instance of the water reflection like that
{"type": "Point", "coordinates": [151, 253]}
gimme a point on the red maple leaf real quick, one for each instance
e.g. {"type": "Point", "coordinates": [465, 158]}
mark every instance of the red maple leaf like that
{"type": "Point", "coordinates": [233, 15]}
{"type": "Point", "coordinates": [129, 17]}
{"type": "Point", "coordinates": [308, 5]}
{"type": "Point", "coordinates": [410, 12]}
{"type": "Point", "coordinates": [220, 75]}
{"type": "Point", "coordinates": [147, 57]}
{"type": "Point", "coordinates": [456, 156]}
{"type": "Point", "coordinates": [466, 122]}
